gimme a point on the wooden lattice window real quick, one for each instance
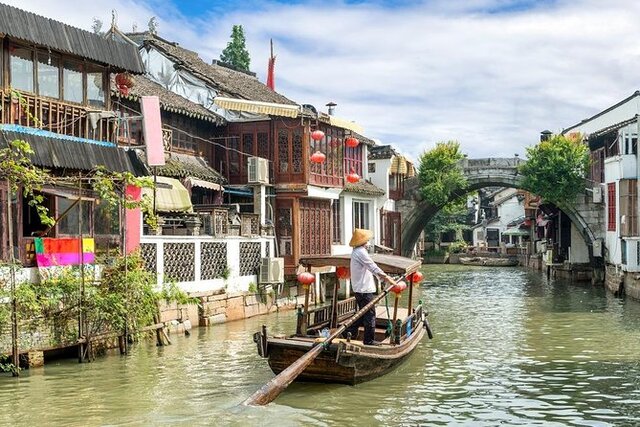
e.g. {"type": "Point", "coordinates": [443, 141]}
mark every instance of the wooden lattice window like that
{"type": "Point", "coordinates": [283, 150]}
{"type": "Point", "coordinates": [611, 206]}
{"type": "Point", "coordinates": [284, 227]}
{"type": "Point", "coordinates": [628, 207]}
{"type": "Point", "coordinates": [315, 219]}
{"type": "Point", "coordinates": [353, 159]}
{"type": "Point", "coordinates": [337, 224]}
{"type": "Point", "coordinates": [234, 156]}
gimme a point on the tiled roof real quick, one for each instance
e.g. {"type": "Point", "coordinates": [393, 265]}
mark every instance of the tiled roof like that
{"type": "Point", "coordinates": [381, 152]}
{"type": "Point", "coordinates": [184, 166]}
{"type": "Point", "coordinates": [363, 187]}
{"type": "Point", "coordinates": [229, 82]}
{"type": "Point", "coordinates": [61, 37]}
{"type": "Point", "coordinates": [169, 101]}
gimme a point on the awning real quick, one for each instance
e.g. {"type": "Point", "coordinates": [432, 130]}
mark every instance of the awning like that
{"type": "Point", "coordinates": [195, 182]}
{"type": "Point", "coordinates": [171, 195]}
{"type": "Point", "coordinates": [345, 124]}
{"type": "Point", "coordinates": [66, 193]}
{"type": "Point", "coordinates": [515, 232]}
{"type": "Point", "coordinates": [238, 192]}
{"type": "Point", "coordinates": [399, 165]}
{"type": "Point", "coordinates": [258, 107]}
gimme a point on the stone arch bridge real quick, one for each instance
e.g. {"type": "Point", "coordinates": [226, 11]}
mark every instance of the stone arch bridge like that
{"type": "Point", "coordinates": [588, 217]}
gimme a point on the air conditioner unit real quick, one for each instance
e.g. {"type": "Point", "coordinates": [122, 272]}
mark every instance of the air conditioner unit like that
{"type": "Point", "coordinates": [258, 169]}
{"type": "Point", "coordinates": [597, 194]}
{"type": "Point", "coordinates": [272, 270]}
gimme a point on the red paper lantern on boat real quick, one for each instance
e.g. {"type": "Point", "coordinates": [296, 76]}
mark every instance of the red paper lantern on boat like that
{"type": "Point", "coordinates": [317, 135]}
{"type": "Point", "coordinates": [124, 82]}
{"type": "Point", "coordinates": [353, 177]}
{"type": "Point", "coordinates": [416, 277]}
{"type": "Point", "coordinates": [306, 278]}
{"type": "Point", "coordinates": [318, 157]}
{"type": "Point", "coordinates": [351, 142]}
{"type": "Point", "coordinates": [398, 288]}
{"type": "Point", "coordinates": [343, 273]}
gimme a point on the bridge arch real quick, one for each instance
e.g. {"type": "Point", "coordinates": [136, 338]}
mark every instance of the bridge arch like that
{"type": "Point", "coordinates": [480, 173]}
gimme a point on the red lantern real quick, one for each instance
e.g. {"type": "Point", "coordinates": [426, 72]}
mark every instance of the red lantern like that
{"type": "Point", "coordinates": [318, 157]}
{"type": "Point", "coordinates": [351, 142]}
{"type": "Point", "coordinates": [416, 277]}
{"type": "Point", "coordinates": [343, 273]}
{"type": "Point", "coordinates": [317, 135]}
{"type": "Point", "coordinates": [306, 278]}
{"type": "Point", "coordinates": [124, 82]}
{"type": "Point", "coordinates": [353, 177]}
{"type": "Point", "coordinates": [398, 288]}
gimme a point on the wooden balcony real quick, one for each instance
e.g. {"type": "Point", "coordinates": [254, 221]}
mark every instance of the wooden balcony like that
{"type": "Point", "coordinates": [55, 116]}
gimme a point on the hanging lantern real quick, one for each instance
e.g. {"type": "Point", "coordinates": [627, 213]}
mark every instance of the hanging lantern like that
{"type": "Point", "coordinates": [353, 177]}
{"type": "Point", "coordinates": [351, 142]}
{"type": "Point", "coordinates": [318, 157]}
{"type": "Point", "coordinates": [343, 273]}
{"type": "Point", "coordinates": [317, 135]}
{"type": "Point", "coordinates": [124, 82]}
{"type": "Point", "coordinates": [306, 278]}
{"type": "Point", "coordinates": [398, 288]}
{"type": "Point", "coordinates": [416, 277]}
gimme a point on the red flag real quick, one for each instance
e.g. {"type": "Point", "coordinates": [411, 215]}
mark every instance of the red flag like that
{"type": "Point", "coordinates": [271, 77]}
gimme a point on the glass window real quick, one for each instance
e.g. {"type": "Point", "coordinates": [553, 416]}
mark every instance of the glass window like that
{"type": "Point", "coordinates": [107, 219]}
{"type": "Point", "coordinates": [69, 223]}
{"type": "Point", "coordinates": [48, 75]}
{"type": "Point", "coordinates": [22, 69]}
{"type": "Point", "coordinates": [361, 215]}
{"type": "Point", "coordinates": [95, 87]}
{"type": "Point", "coordinates": [72, 82]}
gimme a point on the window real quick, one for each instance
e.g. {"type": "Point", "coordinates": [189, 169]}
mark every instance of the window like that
{"type": "Point", "coordinates": [337, 224]}
{"type": "Point", "coordinates": [22, 69]}
{"type": "Point", "coordinates": [353, 159]}
{"type": "Point", "coordinates": [611, 206]}
{"type": "Point", "coordinates": [72, 82]}
{"type": "Point", "coordinates": [623, 251]}
{"type": "Point", "coordinates": [68, 224]}
{"type": "Point", "coordinates": [48, 75]}
{"type": "Point", "coordinates": [95, 87]}
{"type": "Point", "coordinates": [630, 145]}
{"type": "Point", "coordinates": [361, 215]}
{"type": "Point", "coordinates": [628, 207]}
{"type": "Point", "coordinates": [372, 168]}
{"type": "Point", "coordinates": [106, 219]}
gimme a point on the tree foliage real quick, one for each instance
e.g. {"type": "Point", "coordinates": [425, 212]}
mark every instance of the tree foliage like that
{"type": "Point", "coordinates": [556, 169]}
{"type": "Point", "coordinates": [440, 174]}
{"type": "Point", "coordinates": [452, 217]}
{"type": "Point", "coordinates": [236, 52]}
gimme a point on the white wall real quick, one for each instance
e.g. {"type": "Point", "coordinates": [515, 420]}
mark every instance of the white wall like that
{"type": "Point", "coordinates": [579, 249]}
{"type": "Point", "coordinates": [346, 215]}
{"type": "Point", "coordinates": [235, 282]}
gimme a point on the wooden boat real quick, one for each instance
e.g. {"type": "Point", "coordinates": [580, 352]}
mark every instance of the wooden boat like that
{"type": "Point", "coordinates": [349, 361]}
{"type": "Point", "coordinates": [489, 262]}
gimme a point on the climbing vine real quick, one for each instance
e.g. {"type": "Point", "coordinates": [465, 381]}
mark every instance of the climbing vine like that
{"type": "Point", "coordinates": [440, 173]}
{"type": "Point", "coordinates": [556, 169]}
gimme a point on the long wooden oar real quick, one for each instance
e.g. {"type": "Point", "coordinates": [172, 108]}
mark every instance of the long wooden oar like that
{"type": "Point", "coordinates": [273, 388]}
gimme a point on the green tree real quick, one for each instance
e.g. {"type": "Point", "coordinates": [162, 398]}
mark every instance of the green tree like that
{"type": "Point", "coordinates": [236, 52]}
{"type": "Point", "coordinates": [556, 169]}
{"type": "Point", "coordinates": [452, 217]}
{"type": "Point", "coordinates": [440, 173]}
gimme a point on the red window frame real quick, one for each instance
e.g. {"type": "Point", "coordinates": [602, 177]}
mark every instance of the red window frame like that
{"type": "Point", "coordinates": [611, 206]}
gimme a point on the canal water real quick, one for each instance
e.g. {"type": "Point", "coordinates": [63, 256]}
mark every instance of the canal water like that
{"type": "Point", "coordinates": [510, 348]}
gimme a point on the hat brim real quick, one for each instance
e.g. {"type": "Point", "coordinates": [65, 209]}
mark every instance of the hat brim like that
{"type": "Point", "coordinates": [360, 237]}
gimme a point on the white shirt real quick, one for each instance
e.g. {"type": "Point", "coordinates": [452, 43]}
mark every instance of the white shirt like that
{"type": "Point", "coordinates": [362, 270]}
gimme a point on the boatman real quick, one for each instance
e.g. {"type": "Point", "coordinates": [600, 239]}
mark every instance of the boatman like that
{"type": "Point", "coordinates": [364, 288]}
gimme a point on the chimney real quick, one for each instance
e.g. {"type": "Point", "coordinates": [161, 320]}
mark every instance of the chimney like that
{"type": "Point", "coordinates": [545, 135]}
{"type": "Point", "coordinates": [332, 107]}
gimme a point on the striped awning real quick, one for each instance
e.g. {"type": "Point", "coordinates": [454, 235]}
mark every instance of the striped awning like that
{"type": "Point", "coordinates": [195, 182]}
{"type": "Point", "coordinates": [399, 165]}
{"type": "Point", "coordinates": [171, 195]}
{"type": "Point", "coordinates": [345, 124]}
{"type": "Point", "coordinates": [258, 107]}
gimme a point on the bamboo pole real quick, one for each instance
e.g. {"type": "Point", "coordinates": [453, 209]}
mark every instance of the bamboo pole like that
{"type": "Point", "coordinates": [273, 388]}
{"type": "Point", "coordinates": [123, 220]}
{"type": "Point", "coordinates": [81, 346]}
{"type": "Point", "coordinates": [12, 271]}
{"type": "Point", "coordinates": [409, 304]}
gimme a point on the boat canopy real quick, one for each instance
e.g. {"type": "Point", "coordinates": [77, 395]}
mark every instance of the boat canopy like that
{"type": "Point", "coordinates": [390, 264]}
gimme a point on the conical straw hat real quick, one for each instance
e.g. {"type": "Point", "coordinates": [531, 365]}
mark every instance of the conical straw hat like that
{"type": "Point", "coordinates": [360, 237]}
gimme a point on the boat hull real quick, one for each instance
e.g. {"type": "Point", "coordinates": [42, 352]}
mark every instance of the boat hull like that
{"type": "Point", "coordinates": [343, 362]}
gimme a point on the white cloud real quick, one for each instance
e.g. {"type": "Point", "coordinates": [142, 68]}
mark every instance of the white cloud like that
{"type": "Point", "coordinates": [419, 74]}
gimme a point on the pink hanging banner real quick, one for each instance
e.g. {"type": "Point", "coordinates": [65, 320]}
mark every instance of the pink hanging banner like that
{"type": "Point", "coordinates": [152, 126]}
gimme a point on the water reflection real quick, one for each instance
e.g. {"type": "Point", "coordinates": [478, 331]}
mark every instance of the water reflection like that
{"type": "Point", "coordinates": [510, 348]}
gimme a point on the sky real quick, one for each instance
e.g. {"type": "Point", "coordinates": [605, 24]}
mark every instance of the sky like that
{"type": "Point", "coordinates": [490, 74]}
